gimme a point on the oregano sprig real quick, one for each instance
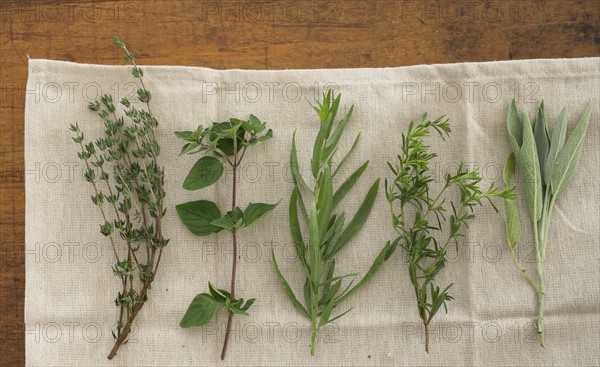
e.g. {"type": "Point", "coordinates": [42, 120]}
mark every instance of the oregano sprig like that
{"type": "Point", "coordinates": [123, 169]}
{"type": "Point", "coordinates": [327, 232]}
{"type": "Point", "coordinates": [427, 223]}
{"type": "Point", "coordinates": [223, 143]}
{"type": "Point", "coordinates": [547, 166]}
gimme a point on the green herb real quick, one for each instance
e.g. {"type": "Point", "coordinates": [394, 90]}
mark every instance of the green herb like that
{"type": "Point", "coordinates": [326, 232]}
{"type": "Point", "coordinates": [223, 143]}
{"type": "Point", "coordinates": [420, 218]}
{"type": "Point", "coordinates": [547, 166]}
{"type": "Point", "coordinates": [124, 164]}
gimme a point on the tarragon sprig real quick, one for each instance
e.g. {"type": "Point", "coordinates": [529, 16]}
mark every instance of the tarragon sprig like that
{"type": "Point", "coordinates": [327, 232]}
{"type": "Point", "coordinates": [421, 219]}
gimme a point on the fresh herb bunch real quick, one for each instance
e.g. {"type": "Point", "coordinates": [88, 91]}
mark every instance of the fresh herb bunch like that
{"type": "Point", "coordinates": [123, 170]}
{"type": "Point", "coordinates": [421, 218]}
{"type": "Point", "coordinates": [223, 143]}
{"type": "Point", "coordinates": [547, 167]}
{"type": "Point", "coordinates": [326, 233]}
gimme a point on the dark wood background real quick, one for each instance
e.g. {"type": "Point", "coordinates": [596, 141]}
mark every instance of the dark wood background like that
{"type": "Point", "coordinates": [256, 35]}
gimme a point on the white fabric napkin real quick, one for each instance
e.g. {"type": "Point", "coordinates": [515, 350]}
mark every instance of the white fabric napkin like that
{"type": "Point", "coordinates": [70, 288]}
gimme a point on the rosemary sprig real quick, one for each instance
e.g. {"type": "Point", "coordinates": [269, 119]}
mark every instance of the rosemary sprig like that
{"type": "Point", "coordinates": [421, 218]}
{"type": "Point", "coordinates": [547, 167]}
{"type": "Point", "coordinates": [223, 143]}
{"type": "Point", "coordinates": [124, 163]}
{"type": "Point", "coordinates": [326, 235]}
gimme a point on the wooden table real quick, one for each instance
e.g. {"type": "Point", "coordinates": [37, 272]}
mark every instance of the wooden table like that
{"type": "Point", "coordinates": [255, 35]}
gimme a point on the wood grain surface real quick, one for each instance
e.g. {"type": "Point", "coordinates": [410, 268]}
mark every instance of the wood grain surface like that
{"type": "Point", "coordinates": [254, 35]}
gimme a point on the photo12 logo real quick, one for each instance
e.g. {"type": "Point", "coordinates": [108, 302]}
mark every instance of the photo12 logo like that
{"type": "Point", "coordinates": [70, 12]}
{"type": "Point", "coordinates": [294, 12]}
{"type": "Point", "coordinates": [429, 11]}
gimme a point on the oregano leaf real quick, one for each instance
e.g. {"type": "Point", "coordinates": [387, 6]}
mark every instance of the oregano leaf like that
{"type": "Point", "coordinates": [205, 172]}
{"type": "Point", "coordinates": [200, 311]}
{"type": "Point", "coordinates": [198, 215]}
{"type": "Point", "coordinates": [255, 211]}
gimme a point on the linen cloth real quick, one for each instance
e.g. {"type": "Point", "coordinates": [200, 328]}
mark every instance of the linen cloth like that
{"type": "Point", "coordinates": [70, 288]}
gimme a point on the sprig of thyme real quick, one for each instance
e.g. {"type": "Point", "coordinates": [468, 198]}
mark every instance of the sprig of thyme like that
{"type": "Point", "coordinates": [421, 219]}
{"type": "Point", "coordinates": [122, 167]}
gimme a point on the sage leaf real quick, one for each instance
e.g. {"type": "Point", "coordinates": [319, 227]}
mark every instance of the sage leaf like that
{"type": "Point", "coordinates": [557, 172]}
{"type": "Point", "coordinates": [513, 222]}
{"type": "Point", "coordinates": [541, 138]}
{"type": "Point", "coordinates": [515, 128]}
{"type": "Point", "coordinates": [204, 173]}
{"type": "Point", "coordinates": [200, 312]}
{"type": "Point", "coordinates": [198, 215]}
{"type": "Point", "coordinates": [530, 168]}
{"type": "Point", "coordinates": [509, 169]}
{"type": "Point", "coordinates": [568, 158]}
{"type": "Point", "coordinates": [255, 211]}
{"type": "Point", "coordinates": [559, 136]}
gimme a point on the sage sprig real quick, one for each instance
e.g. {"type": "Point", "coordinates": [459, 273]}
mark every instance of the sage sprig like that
{"type": "Point", "coordinates": [421, 218]}
{"type": "Point", "coordinates": [547, 167]}
{"type": "Point", "coordinates": [223, 143]}
{"type": "Point", "coordinates": [326, 234]}
{"type": "Point", "coordinates": [128, 182]}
